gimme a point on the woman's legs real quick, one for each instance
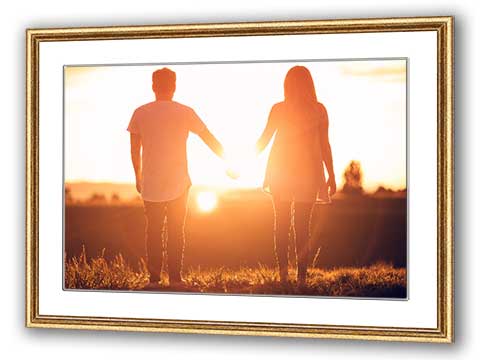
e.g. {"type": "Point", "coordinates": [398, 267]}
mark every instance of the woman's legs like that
{"type": "Point", "coordinates": [302, 216]}
{"type": "Point", "coordinates": [282, 210]}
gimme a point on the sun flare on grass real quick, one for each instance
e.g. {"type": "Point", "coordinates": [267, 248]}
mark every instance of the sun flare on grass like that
{"type": "Point", "coordinates": [206, 201]}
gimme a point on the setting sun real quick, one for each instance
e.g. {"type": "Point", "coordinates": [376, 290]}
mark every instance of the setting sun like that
{"type": "Point", "coordinates": [206, 201]}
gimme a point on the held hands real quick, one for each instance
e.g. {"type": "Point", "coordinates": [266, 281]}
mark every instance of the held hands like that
{"type": "Point", "coordinates": [239, 161]}
{"type": "Point", "coordinates": [232, 168]}
{"type": "Point", "coordinates": [232, 173]}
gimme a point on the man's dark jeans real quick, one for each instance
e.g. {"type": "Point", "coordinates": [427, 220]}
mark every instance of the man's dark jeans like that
{"type": "Point", "coordinates": [155, 213]}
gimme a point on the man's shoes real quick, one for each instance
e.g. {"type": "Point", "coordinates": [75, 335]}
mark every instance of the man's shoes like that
{"type": "Point", "coordinates": [177, 283]}
{"type": "Point", "coordinates": [152, 286]}
{"type": "Point", "coordinates": [154, 278]}
{"type": "Point", "coordinates": [301, 282]}
{"type": "Point", "coordinates": [284, 276]}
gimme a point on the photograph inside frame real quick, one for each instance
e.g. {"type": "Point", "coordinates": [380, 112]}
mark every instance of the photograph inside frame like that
{"type": "Point", "coordinates": [258, 178]}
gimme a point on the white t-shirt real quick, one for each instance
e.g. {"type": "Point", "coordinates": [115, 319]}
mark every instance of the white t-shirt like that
{"type": "Point", "coordinates": [164, 127]}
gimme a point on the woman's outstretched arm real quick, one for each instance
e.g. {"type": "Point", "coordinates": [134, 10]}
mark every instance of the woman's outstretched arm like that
{"type": "Point", "coordinates": [267, 134]}
{"type": "Point", "coordinates": [327, 153]}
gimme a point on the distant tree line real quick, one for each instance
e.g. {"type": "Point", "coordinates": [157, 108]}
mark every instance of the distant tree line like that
{"type": "Point", "coordinates": [97, 199]}
{"type": "Point", "coordinates": [352, 185]}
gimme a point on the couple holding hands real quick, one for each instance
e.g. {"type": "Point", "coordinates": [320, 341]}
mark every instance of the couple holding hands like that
{"type": "Point", "coordinates": [294, 176]}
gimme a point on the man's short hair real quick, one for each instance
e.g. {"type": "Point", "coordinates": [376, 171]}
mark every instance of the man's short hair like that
{"type": "Point", "coordinates": [163, 80]}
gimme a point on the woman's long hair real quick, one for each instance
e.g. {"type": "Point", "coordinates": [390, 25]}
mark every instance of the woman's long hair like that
{"type": "Point", "coordinates": [298, 87]}
{"type": "Point", "coordinates": [303, 116]}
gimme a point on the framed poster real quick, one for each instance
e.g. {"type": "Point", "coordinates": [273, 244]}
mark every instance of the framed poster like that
{"type": "Point", "coordinates": [278, 178]}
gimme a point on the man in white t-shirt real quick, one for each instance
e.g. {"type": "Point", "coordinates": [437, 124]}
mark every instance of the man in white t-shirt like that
{"type": "Point", "coordinates": [158, 137]}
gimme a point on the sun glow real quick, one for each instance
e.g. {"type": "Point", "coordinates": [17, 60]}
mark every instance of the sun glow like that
{"type": "Point", "coordinates": [206, 201]}
{"type": "Point", "coordinates": [243, 163]}
{"type": "Point", "coordinates": [365, 100]}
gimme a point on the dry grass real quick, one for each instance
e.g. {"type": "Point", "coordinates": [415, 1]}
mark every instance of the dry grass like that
{"type": "Point", "coordinates": [99, 273]}
{"type": "Point", "coordinates": [380, 280]}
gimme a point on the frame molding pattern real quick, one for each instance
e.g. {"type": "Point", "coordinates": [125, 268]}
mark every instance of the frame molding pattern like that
{"type": "Point", "coordinates": [443, 26]}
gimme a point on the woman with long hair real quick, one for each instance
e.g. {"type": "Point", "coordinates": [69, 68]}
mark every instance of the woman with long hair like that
{"type": "Point", "coordinates": [295, 170]}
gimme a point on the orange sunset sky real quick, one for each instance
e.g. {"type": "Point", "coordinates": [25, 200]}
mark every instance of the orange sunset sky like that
{"type": "Point", "coordinates": [365, 100]}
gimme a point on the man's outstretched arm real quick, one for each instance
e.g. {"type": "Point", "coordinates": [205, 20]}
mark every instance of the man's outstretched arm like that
{"type": "Point", "coordinates": [212, 142]}
{"type": "Point", "coordinates": [135, 152]}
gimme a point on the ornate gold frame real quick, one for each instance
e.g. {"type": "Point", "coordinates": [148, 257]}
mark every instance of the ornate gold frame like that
{"type": "Point", "coordinates": [445, 187]}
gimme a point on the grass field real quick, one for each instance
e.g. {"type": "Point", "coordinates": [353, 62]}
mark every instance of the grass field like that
{"type": "Point", "coordinates": [359, 247]}
{"type": "Point", "coordinates": [379, 280]}
{"type": "Point", "coordinates": [352, 232]}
